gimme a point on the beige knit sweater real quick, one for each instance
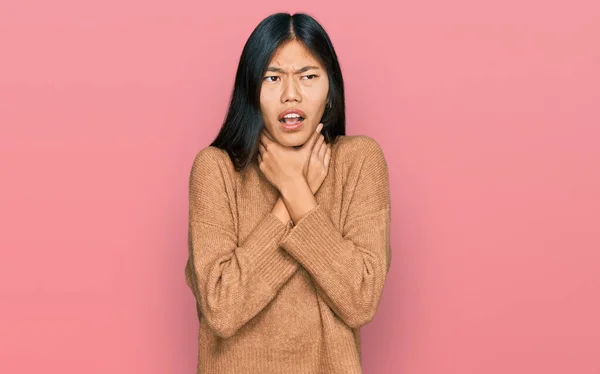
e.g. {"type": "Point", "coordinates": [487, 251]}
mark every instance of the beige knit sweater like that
{"type": "Point", "coordinates": [277, 298]}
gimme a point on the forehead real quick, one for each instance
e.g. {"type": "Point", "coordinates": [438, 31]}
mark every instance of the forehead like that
{"type": "Point", "coordinates": [293, 54]}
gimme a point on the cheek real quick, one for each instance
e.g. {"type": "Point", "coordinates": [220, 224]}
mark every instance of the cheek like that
{"type": "Point", "coordinates": [266, 104]}
{"type": "Point", "coordinates": [268, 100]}
{"type": "Point", "coordinates": [318, 92]}
{"type": "Point", "coordinates": [317, 98]}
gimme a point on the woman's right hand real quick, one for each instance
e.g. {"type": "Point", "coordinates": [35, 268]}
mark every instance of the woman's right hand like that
{"type": "Point", "coordinates": [284, 165]}
{"type": "Point", "coordinates": [318, 164]}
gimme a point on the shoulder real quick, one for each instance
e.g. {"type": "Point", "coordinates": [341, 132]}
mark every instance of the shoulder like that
{"type": "Point", "coordinates": [358, 149]}
{"type": "Point", "coordinates": [366, 174]}
{"type": "Point", "coordinates": [213, 156]}
{"type": "Point", "coordinates": [211, 163]}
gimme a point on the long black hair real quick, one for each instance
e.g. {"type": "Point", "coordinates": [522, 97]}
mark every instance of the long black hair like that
{"type": "Point", "coordinates": [240, 132]}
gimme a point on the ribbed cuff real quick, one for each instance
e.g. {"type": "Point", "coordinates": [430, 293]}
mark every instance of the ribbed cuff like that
{"type": "Point", "coordinates": [269, 262]}
{"type": "Point", "coordinates": [314, 241]}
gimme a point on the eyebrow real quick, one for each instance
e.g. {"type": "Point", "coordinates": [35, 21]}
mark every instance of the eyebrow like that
{"type": "Point", "coordinates": [301, 70]}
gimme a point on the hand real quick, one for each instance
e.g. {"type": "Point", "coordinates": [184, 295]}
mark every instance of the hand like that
{"type": "Point", "coordinates": [281, 164]}
{"type": "Point", "coordinates": [318, 164]}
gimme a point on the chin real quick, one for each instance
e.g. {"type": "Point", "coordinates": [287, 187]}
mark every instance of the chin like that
{"type": "Point", "coordinates": [295, 144]}
{"type": "Point", "coordinates": [292, 140]}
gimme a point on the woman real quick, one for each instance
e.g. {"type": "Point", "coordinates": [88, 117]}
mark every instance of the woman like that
{"type": "Point", "coordinates": [289, 218]}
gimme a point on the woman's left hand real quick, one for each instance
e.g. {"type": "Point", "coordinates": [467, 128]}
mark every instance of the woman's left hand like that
{"type": "Point", "coordinates": [282, 164]}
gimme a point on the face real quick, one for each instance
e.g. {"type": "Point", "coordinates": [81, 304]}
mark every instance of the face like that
{"type": "Point", "coordinates": [294, 80]}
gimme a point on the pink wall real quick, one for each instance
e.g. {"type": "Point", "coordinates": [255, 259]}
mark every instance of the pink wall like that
{"type": "Point", "coordinates": [488, 115]}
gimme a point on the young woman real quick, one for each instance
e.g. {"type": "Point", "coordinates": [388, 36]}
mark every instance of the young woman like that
{"type": "Point", "coordinates": [289, 218]}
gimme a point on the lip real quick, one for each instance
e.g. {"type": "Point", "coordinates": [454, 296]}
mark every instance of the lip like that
{"type": "Point", "coordinates": [292, 128]}
{"type": "Point", "coordinates": [291, 110]}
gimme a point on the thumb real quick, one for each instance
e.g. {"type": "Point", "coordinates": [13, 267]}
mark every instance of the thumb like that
{"type": "Point", "coordinates": [313, 138]}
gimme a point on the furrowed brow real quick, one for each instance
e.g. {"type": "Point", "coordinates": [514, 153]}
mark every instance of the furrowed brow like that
{"type": "Point", "coordinates": [302, 70]}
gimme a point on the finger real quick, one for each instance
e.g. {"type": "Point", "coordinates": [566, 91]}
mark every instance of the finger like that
{"type": "Point", "coordinates": [311, 141]}
{"type": "Point", "coordinates": [323, 150]}
{"type": "Point", "coordinates": [318, 145]}
{"type": "Point", "coordinates": [327, 157]}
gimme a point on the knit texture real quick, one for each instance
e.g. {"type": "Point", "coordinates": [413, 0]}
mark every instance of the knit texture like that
{"type": "Point", "coordinates": [282, 298]}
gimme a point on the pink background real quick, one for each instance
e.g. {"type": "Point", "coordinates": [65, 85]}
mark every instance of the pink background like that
{"type": "Point", "coordinates": [488, 113]}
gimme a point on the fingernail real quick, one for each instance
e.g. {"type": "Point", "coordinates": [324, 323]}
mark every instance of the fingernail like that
{"type": "Point", "coordinates": [320, 127]}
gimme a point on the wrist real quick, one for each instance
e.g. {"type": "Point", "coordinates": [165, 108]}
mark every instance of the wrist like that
{"type": "Point", "coordinates": [291, 185]}
{"type": "Point", "coordinates": [280, 211]}
{"type": "Point", "coordinates": [298, 199]}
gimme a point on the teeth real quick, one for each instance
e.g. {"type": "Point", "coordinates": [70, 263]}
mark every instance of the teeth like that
{"type": "Point", "coordinates": [292, 115]}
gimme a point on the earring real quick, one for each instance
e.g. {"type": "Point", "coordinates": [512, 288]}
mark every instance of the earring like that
{"type": "Point", "coordinates": [328, 104]}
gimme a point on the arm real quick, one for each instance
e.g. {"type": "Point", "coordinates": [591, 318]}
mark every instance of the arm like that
{"type": "Point", "coordinates": [231, 282]}
{"type": "Point", "coordinates": [349, 267]}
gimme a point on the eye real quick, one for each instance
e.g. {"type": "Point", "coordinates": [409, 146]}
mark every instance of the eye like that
{"type": "Point", "coordinates": [270, 76]}
{"type": "Point", "coordinates": [310, 75]}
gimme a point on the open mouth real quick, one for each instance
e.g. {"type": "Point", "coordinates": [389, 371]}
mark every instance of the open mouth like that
{"type": "Point", "coordinates": [291, 120]}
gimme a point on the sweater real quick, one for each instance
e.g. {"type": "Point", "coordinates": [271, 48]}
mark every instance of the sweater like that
{"type": "Point", "coordinates": [287, 298]}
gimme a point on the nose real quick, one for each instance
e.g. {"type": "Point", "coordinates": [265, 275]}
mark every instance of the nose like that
{"type": "Point", "coordinates": [291, 91]}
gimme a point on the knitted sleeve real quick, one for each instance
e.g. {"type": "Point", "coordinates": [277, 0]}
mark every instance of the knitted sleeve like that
{"type": "Point", "coordinates": [349, 266]}
{"type": "Point", "coordinates": [232, 282]}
